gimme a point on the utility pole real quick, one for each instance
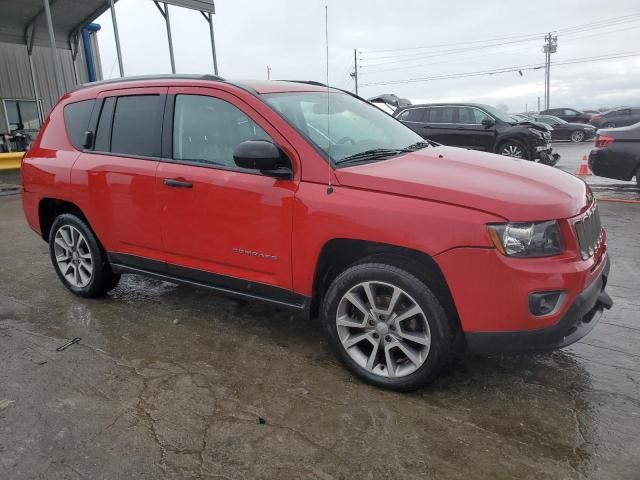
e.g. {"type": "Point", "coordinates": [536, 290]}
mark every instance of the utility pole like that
{"type": "Point", "coordinates": [268, 72]}
{"type": "Point", "coordinates": [354, 75]}
{"type": "Point", "coordinates": [550, 46]}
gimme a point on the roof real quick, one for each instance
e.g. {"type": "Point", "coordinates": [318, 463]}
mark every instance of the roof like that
{"type": "Point", "coordinates": [68, 17]}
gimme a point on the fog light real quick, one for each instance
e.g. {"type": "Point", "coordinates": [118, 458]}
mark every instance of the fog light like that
{"type": "Point", "coordinates": [545, 303]}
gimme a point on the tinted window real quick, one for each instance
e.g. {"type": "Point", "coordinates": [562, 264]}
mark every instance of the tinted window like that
{"type": "Point", "coordinates": [76, 119]}
{"type": "Point", "coordinates": [207, 130]}
{"type": "Point", "coordinates": [22, 115]}
{"type": "Point", "coordinates": [413, 115]}
{"type": "Point", "coordinates": [441, 114]}
{"type": "Point", "coordinates": [570, 113]}
{"type": "Point", "coordinates": [136, 125]}
{"type": "Point", "coordinates": [470, 116]}
{"type": "Point", "coordinates": [103, 132]}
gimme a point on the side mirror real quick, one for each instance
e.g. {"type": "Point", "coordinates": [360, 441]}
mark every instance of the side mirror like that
{"type": "Point", "coordinates": [262, 155]}
{"type": "Point", "coordinates": [488, 122]}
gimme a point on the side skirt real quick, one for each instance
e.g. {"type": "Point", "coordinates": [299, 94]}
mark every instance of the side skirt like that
{"type": "Point", "coordinates": [228, 286]}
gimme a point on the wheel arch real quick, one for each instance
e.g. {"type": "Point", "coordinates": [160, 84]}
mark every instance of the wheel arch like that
{"type": "Point", "coordinates": [50, 208]}
{"type": "Point", "coordinates": [338, 254]}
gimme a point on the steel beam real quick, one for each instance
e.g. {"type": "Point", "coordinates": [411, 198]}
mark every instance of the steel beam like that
{"type": "Point", "coordinates": [54, 50]}
{"type": "Point", "coordinates": [115, 32]}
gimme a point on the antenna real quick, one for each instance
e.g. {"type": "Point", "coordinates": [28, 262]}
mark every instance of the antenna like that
{"type": "Point", "coordinates": [326, 41]}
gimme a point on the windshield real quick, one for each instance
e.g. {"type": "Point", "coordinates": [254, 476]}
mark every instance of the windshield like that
{"type": "Point", "coordinates": [498, 114]}
{"type": "Point", "coordinates": [351, 128]}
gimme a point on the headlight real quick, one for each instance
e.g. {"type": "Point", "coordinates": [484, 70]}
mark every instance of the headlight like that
{"type": "Point", "coordinates": [536, 132]}
{"type": "Point", "coordinates": [541, 239]}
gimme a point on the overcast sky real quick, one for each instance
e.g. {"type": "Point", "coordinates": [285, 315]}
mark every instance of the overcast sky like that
{"type": "Point", "coordinates": [289, 36]}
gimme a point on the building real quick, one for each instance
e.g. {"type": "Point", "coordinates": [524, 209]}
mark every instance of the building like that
{"type": "Point", "coordinates": [30, 82]}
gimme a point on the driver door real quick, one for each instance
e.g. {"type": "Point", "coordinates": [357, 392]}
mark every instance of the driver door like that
{"type": "Point", "coordinates": [222, 224]}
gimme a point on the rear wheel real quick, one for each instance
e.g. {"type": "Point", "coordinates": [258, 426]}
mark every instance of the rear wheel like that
{"type": "Point", "coordinates": [609, 125]}
{"type": "Point", "coordinates": [513, 149]}
{"type": "Point", "coordinates": [638, 176]}
{"type": "Point", "coordinates": [577, 136]}
{"type": "Point", "coordinates": [387, 327]}
{"type": "Point", "coordinates": [78, 259]}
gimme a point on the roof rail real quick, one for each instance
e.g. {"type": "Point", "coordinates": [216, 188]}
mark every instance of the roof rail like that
{"type": "Point", "coordinates": [320, 84]}
{"type": "Point", "coordinates": [163, 76]}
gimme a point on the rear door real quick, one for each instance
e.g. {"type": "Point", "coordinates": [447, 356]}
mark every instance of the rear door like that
{"type": "Point", "coordinates": [441, 122]}
{"type": "Point", "coordinates": [114, 180]}
{"type": "Point", "coordinates": [221, 224]}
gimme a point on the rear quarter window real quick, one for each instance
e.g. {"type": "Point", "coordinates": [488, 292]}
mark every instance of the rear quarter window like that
{"type": "Point", "coordinates": [76, 120]}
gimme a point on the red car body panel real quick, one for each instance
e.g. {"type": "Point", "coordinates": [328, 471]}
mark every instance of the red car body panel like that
{"type": "Point", "coordinates": [437, 201]}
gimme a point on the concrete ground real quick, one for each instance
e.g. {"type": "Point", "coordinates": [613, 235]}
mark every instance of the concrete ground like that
{"type": "Point", "coordinates": [174, 382]}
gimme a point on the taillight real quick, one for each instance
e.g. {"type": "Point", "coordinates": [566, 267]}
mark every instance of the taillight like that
{"type": "Point", "coordinates": [604, 141]}
{"type": "Point", "coordinates": [596, 118]}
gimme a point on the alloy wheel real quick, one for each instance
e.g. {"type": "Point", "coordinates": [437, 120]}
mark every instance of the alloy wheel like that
{"type": "Point", "coordinates": [512, 150]}
{"type": "Point", "coordinates": [577, 136]}
{"type": "Point", "coordinates": [383, 329]}
{"type": "Point", "coordinates": [73, 256]}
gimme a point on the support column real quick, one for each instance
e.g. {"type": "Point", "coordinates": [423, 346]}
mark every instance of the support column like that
{"type": "Point", "coordinates": [115, 32]}
{"type": "Point", "coordinates": [209, 18]}
{"type": "Point", "coordinates": [32, 73]}
{"type": "Point", "coordinates": [165, 13]}
{"type": "Point", "coordinates": [54, 50]}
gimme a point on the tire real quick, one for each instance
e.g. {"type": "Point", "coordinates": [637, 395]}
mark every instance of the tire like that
{"type": "Point", "coordinates": [638, 177]}
{"type": "Point", "coordinates": [609, 125]}
{"type": "Point", "coordinates": [78, 258]}
{"type": "Point", "coordinates": [414, 364]}
{"type": "Point", "coordinates": [577, 136]}
{"type": "Point", "coordinates": [512, 148]}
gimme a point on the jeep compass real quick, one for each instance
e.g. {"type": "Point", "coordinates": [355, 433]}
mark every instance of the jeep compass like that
{"type": "Point", "coordinates": [312, 199]}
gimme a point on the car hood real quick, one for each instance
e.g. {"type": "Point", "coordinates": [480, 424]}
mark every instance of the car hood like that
{"type": "Point", "coordinates": [516, 190]}
{"type": "Point", "coordinates": [538, 125]}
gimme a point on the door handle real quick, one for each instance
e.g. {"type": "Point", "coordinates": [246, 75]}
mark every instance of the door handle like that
{"type": "Point", "coordinates": [172, 182]}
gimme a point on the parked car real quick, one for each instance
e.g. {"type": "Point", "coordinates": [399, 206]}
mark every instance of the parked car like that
{"type": "Point", "coordinates": [576, 132]}
{"type": "Point", "coordinates": [619, 117]}
{"type": "Point", "coordinates": [388, 102]}
{"type": "Point", "coordinates": [568, 114]}
{"type": "Point", "coordinates": [617, 153]}
{"type": "Point", "coordinates": [479, 127]}
{"type": "Point", "coordinates": [405, 249]}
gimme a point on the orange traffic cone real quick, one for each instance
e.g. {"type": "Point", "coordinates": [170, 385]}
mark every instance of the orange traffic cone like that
{"type": "Point", "coordinates": [584, 168]}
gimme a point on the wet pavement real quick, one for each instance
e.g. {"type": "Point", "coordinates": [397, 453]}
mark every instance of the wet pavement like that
{"type": "Point", "coordinates": [174, 382]}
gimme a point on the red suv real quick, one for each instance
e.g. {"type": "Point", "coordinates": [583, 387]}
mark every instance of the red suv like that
{"type": "Point", "coordinates": [312, 199]}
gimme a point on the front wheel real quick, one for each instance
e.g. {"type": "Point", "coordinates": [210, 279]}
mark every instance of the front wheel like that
{"type": "Point", "coordinates": [577, 136]}
{"type": "Point", "coordinates": [609, 125]}
{"type": "Point", "coordinates": [513, 149]}
{"type": "Point", "coordinates": [638, 176]}
{"type": "Point", "coordinates": [78, 259]}
{"type": "Point", "coordinates": [387, 327]}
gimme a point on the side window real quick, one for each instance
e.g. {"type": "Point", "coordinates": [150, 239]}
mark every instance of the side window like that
{"type": "Point", "coordinates": [413, 115]}
{"type": "Point", "coordinates": [479, 115]}
{"type": "Point", "coordinates": [465, 115]}
{"type": "Point", "coordinates": [76, 119]}
{"type": "Point", "coordinates": [207, 130]}
{"type": "Point", "coordinates": [137, 125]}
{"type": "Point", "coordinates": [441, 114]}
{"type": "Point", "coordinates": [569, 113]}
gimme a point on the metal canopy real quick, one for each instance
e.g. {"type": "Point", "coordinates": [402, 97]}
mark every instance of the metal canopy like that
{"type": "Point", "coordinates": [18, 18]}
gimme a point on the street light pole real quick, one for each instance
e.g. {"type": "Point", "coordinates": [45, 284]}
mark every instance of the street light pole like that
{"type": "Point", "coordinates": [550, 46]}
{"type": "Point", "coordinates": [354, 75]}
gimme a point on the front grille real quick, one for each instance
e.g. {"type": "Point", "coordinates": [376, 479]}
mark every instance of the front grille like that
{"type": "Point", "coordinates": [589, 233]}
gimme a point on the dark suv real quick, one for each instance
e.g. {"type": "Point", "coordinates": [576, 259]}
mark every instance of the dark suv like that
{"type": "Point", "coordinates": [479, 127]}
{"type": "Point", "coordinates": [619, 117]}
{"type": "Point", "coordinates": [570, 115]}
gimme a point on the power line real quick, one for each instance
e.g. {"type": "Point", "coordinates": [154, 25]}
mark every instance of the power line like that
{"type": "Point", "coordinates": [573, 29]}
{"type": "Point", "coordinates": [496, 71]}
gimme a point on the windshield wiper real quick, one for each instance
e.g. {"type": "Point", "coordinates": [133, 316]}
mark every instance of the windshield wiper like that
{"type": "Point", "coordinates": [372, 154]}
{"type": "Point", "coordinates": [420, 145]}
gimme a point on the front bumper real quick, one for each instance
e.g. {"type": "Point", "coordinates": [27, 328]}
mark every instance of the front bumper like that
{"type": "Point", "coordinates": [548, 157]}
{"type": "Point", "coordinates": [580, 318]}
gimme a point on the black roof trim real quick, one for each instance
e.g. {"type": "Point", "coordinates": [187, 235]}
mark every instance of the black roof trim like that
{"type": "Point", "coordinates": [140, 78]}
{"type": "Point", "coordinates": [320, 84]}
